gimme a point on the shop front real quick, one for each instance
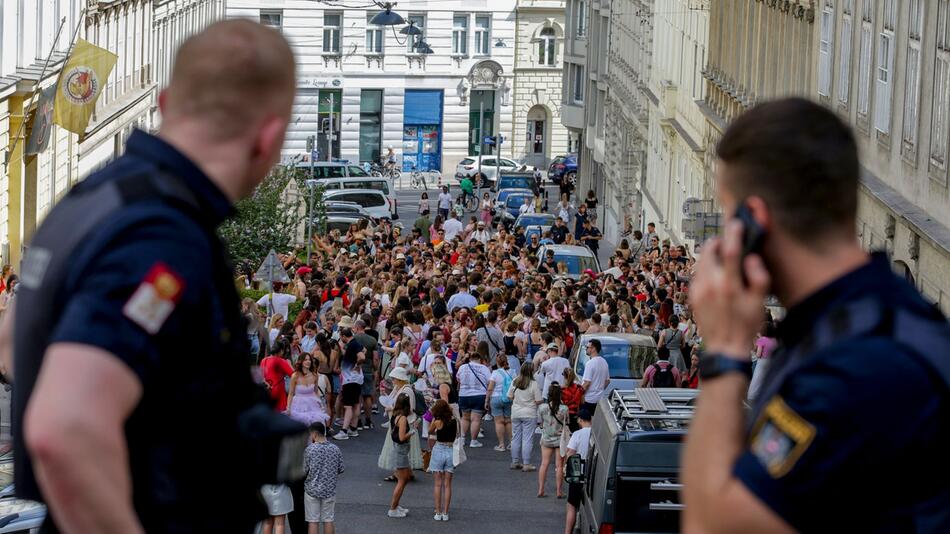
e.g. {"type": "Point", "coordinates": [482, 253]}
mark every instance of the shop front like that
{"type": "Point", "coordinates": [422, 130]}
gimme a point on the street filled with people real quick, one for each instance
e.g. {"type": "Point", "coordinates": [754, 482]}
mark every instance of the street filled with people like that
{"type": "Point", "coordinates": [450, 328]}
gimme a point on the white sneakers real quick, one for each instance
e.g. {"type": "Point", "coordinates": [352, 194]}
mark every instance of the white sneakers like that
{"type": "Point", "coordinates": [441, 517]}
{"type": "Point", "coordinates": [500, 448]}
{"type": "Point", "coordinates": [341, 436]}
{"type": "Point", "coordinates": [475, 444]}
{"type": "Point", "coordinates": [398, 512]}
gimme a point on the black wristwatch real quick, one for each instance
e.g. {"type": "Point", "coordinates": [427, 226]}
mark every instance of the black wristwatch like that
{"type": "Point", "coordinates": [715, 364]}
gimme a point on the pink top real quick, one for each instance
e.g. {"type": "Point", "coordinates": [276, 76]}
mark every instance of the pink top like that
{"type": "Point", "coordinates": [650, 371]}
{"type": "Point", "coordinates": [768, 345]}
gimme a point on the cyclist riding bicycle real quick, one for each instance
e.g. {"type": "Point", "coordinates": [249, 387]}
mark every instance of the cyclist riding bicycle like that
{"type": "Point", "coordinates": [389, 160]}
{"type": "Point", "coordinates": [468, 189]}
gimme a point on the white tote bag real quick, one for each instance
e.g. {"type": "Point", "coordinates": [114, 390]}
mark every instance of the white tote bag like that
{"type": "Point", "coordinates": [458, 447]}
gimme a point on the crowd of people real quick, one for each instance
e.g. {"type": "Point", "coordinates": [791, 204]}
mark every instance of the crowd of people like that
{"type": "Point", "coordinates": [449, 326]}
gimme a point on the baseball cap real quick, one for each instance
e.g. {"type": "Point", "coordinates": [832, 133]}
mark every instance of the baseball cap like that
{"type": "Point", "coordinates": [304, 270]}
{"type": "Point", "coordinates": [583, 414]}
{"type": "Point", "coordinates": [552, 346]}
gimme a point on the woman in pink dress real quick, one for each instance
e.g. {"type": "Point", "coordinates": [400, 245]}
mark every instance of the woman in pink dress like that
{"type": "Point", "coordinates": [306, 400]}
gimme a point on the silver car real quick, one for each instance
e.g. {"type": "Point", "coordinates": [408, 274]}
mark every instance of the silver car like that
{"type": "Point", "coordinates": [627, 355]}
{"type": "Point", "coordinates": [375, 202]}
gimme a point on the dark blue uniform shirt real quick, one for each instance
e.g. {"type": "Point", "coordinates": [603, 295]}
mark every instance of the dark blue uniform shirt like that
{"type": "Point", "coordinates": [191, 359]}
{"type": "Point", "coordinates": [856, 438]}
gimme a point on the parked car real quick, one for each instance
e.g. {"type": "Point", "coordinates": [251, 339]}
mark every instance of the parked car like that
{"type": "Point", "coordinates": [576, 258]}
{"type": "Point", "coordinates": [327, 169]}
{"type": "Point", "coordinates": [562, 166]}
{"type": "Point", "coordinates": [515, 180]}
{"type": "Point", "coordinates": [631, 474]}
{"type": "Point", "coordinates": [375, 202]}
{"type": "Point", "coordinates": [627, 356]}
{"type": "Point", "coordinates": [341, 222]}
{"type": "Point", "coordinates": [469, 167]}
{"type": "Point", "coordinates": [535, 223]}
{"type": "Point", "coordinates": [365, 182]}
{"type": "Point", "coordinates": [502, 196]}
{"type": "Point", "coordinates": [511, 208]}
{"type": "Point", "coordinates": [339, 207]}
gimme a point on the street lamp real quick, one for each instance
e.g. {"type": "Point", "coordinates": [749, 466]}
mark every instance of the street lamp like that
{"type": "Point", "coordinates": [386, 17]}
{"type": "Point", "coordinates": [311, 185]}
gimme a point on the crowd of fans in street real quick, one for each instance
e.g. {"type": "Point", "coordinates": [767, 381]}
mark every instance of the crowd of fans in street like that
{"type": "Point", "coordinates": [448, 326]}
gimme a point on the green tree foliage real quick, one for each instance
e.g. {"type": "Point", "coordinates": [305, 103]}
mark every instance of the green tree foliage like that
{"type": "Point", "coordinates": [266, 220]}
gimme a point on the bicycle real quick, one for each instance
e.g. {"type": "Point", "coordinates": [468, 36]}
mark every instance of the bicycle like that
{"type": "Point", "coordinates": [417, 180]}
{"type": "Point", "coordinates": [469, 201]}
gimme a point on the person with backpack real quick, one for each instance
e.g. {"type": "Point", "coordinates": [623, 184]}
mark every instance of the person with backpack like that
{"type": "Point", "coordinates": [661, 374]}
{"type": "Point", "coordinates": [672, 339]}
{"type": "Point", "coordinates": [499, 403]}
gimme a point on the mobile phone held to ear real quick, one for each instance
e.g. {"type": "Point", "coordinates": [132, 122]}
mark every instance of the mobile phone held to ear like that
{"type": "Point", "coordinates": [752, 231]}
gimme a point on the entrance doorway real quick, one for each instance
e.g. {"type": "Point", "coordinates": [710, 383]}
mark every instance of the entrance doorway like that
{"type": "Point", "coordinates": [536, 140]}
{"type": "Point", "coordinates": [482, 105]}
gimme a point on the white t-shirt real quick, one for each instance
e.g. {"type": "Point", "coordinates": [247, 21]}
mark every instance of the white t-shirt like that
{"type": "Point", "coordinates": [453, 227]}
{"type": "Point", "coordinates": [553, 371]}
{"type": "Point", "coordinates": [473, 379]}
{"type": "Point", "coordinates": [525, 401]}
{"type": "Point", "coordinates": [598, 373]}
{"type": "Point", "coordinates": [445, 201]}
{"type": "Point", "coordinates": [280, 304]}
{"type": "Point", "coordinates": [580, 441]}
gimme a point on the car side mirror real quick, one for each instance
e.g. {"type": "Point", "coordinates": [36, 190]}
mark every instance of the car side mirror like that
{"type": "Point", "coordinates": [574, 470]}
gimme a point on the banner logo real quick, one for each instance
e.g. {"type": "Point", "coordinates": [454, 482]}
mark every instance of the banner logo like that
{"type": "Point", "coordinates": [82, 85]}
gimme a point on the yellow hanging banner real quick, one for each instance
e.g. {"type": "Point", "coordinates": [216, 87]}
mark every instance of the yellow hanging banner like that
{"type": "Point", "coordinates": [80, 84]}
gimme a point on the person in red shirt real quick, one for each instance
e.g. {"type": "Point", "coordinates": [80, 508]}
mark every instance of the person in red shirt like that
{"type": "Point", "coordinates": [275, 369]}
{"type": "Point", "coordinates": [572, 395]}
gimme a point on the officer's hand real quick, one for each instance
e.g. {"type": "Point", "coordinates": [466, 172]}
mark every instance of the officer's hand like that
{"type": "Point", "coordinates": [728, 311]}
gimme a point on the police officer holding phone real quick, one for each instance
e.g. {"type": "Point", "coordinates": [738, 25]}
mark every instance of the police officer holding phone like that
{"type": "Point", "coordinates": [850, 430]}
{"type": "Point", "coordinates": [134, 407]}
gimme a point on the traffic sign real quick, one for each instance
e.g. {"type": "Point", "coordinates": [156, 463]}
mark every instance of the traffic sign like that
{"type": "Point", "coordinates": [489, 140]}
{"type": "Point", "coordinates": [271, 270]}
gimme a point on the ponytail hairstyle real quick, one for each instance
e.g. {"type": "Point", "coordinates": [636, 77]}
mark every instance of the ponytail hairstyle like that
{"type": "Point", "coordinates": [554, 398]}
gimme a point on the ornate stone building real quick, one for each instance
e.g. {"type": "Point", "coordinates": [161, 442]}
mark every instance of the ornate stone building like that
{"type": "Point", "coordinates": [884, 66]}
{"type": "Point", "coordinates": [539, 59]}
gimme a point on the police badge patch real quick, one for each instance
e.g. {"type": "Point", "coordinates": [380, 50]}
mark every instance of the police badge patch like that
{"type": "Point", "coordinates": [780, 437]}
{"type": "Point", "coordinates": [155, 299]}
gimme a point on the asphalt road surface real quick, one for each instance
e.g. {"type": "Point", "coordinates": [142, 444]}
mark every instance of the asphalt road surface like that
{"type": "Point", "coordinates": [487, 497]}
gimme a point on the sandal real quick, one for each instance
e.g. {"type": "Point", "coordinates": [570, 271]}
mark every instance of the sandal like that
{"type": "Point", "coordinates": [390, 478]}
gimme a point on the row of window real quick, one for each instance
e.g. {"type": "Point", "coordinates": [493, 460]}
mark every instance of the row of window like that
{"type": "Point", "coordinates": [881, 69]}
{"type": "Point", "coordinates": [470, 31]}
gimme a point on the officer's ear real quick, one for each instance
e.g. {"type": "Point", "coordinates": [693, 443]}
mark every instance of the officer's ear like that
{"type": "Point", "coordinates": [269, 138]}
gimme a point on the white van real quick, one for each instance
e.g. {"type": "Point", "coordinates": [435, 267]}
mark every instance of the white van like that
{"type": "Point", "coordinates": [379, 184]}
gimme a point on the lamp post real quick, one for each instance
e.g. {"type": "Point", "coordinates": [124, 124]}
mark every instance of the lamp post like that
{"type": "Point", "coordinates": [311, 185]}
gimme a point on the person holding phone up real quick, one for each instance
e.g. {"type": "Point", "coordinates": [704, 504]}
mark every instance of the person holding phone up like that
{"type": "Point", "coordinates": [824, 448]}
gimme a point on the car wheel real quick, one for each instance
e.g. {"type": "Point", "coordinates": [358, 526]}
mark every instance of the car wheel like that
{"type": "Point", "coordinates": [571, 176]}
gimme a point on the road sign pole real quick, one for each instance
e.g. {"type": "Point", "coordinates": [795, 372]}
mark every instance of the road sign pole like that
{"type": "Point", "coordinates": [310, 186]}
{"type": "Point", "coordinates": [481, 142]}
{"type": "Point", "coordinates": [497, 158]}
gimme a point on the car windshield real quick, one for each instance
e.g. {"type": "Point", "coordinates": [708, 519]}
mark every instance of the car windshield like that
{"type": "Point", "coordinates": [512, 182]}
{"type": "Point", "coordinates": [379, 185]}
{"type": "Point", "coordinates": [536, 220]}
{"type": "Point", "coordinates": [576, 264]}
{"type": "Point", "coordinates": [624, 359]}
{"type": "Point", "coordinates": [330, 171]}
{"type": "Point", "coordinates": [356, 171]}
{"type": "Point", "coordinates": [515, 201]}
{"type": "Point", "coordinates": [367, 200]}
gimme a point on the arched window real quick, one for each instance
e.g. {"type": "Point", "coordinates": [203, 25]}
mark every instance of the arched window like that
{"type": "Point", "coordinates": [546, 46]}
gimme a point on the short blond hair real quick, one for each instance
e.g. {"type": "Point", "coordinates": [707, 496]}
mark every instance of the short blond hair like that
{"type": "Point", "coordinates": [232, 74]}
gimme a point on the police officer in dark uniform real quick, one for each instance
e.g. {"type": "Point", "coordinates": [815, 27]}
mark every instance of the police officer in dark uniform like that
{"type": "Point", "coordinates": [134, 407]}
{"type": "Point", "coordinates": [850, 430]}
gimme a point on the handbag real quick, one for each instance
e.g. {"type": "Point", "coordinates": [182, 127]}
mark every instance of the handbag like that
{"type": "Point", "coordinates": [565, 440]}
{"type": "Point", "coordinates": [458, 447]}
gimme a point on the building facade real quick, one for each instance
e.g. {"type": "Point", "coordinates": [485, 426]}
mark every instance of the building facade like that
{"type": "Point", "coordinates": [539, 59]}
{"type": "Point", "coordinates": [575, 78]}
{"type": "Point", "coordinates": [31, 185]}
{"type": "Point", "coordinates": [676, 141]}
{"type": "Point", "coordinates": [34, 38]}
{"type": "Point", "coordinates": [362, 88]}
{"type": "Point", "coordinates": [610, 52]}
{"type": "Point", "coordinates": [884, 66]}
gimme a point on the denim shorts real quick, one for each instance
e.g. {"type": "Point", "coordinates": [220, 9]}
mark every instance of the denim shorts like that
{"type": "Point", "coordinates": [441, 460]}
{"type": "Point", "coordinates": [500, 408]}
{"type": "Point", "coordinates": [367, 388]}
{"type": "Point", "coordinates": [474, 403]}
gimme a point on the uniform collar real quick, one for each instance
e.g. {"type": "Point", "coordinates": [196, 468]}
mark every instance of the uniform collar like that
{"type": "Point", "coordinates": [167, 158]}
{"type": "Point", "coordinates": [800, 319]}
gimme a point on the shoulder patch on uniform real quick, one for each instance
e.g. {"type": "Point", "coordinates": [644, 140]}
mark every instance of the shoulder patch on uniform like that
{"type": "Point", "coordinates": [780, 437]}
{"type": "Point", "coordinates": [154, 300]}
